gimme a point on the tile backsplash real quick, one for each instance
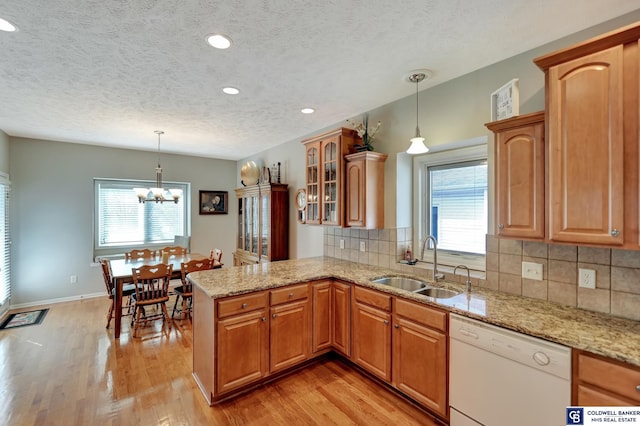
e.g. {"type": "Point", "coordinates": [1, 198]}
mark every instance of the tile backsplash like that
{"type": "Point", "coordinates": [617, 289]}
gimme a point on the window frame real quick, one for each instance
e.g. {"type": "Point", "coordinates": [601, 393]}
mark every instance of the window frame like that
{"type": "Point", "coordinates": [118, 249]}
{"type": "Point", "coordinates": [462, 152]}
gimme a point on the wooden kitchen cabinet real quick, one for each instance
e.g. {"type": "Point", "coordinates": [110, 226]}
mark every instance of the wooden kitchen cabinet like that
{"type": "Point", "coordinates": [520, 176]}
{"type": "Point", "coordinates": [420, 354]}
{"type": "Point", "coordinates": [263, 224]}
{"type": "Point", "coordinates": [325, 181]}
{"type": "Point", "coordinates": [341, 317]}
{"type": "Point", "coordinates": [290, 328]}
{"type": "Point", "coordinates": [365, 190]}
{"type": "Point", "coordinates": [592, 140]}
{"type": "Point", "coordinates": [331, 317]}
{"type": "Point", "coordinates": [598, 381]}
{"type": "Point", "coordinates": [372, 332]}
{"type": "Point", "coordinates": [322, 310]}
{"type": "Point", "coordinates": [242, 341]}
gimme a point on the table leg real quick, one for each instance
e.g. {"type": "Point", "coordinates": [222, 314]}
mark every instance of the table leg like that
{"type": "Point", "coordinates": [118, 308]}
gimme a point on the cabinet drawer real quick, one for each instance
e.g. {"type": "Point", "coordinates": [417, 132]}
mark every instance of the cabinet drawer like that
{"type": "Point", "coordinates": [289, 294]}
{"type": "Point", "coordinates": [425, 315]}
{"type": "Point", "coordinates": [241, 304]}
{"type": "Point", "coordinates": [609, 375]}
{"type": "Point", "coordinates": [373, 298]}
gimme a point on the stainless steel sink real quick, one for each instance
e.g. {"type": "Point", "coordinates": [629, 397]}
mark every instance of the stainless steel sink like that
{"type": "Point", "coordinates": [403, 283]}
{"type": "Point", "coordinates": [437, 293]}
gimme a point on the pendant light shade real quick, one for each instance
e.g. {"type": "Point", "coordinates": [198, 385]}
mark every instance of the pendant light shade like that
{"type": "Point", "coordinates": [417, 142]}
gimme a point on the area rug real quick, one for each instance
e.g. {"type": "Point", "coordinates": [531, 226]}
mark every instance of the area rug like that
{"type": "Point", "coordinates": [23, 319]}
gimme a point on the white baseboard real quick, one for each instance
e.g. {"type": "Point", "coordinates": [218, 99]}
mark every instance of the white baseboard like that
{"type": "Point", "coordinates": [59, 300]}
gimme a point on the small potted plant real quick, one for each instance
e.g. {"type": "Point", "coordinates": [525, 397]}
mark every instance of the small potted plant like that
{"type": "Point", "coordinates": [365, 133]}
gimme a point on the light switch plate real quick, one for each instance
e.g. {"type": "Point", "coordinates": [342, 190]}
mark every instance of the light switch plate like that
{"type": "Point", "coordinates": [341, 244]}
{"type": "Point", "coordinates": [362, 246]}
{"type": "Point", "coordinates": [587, 278]}
{"type": "Point", "coordinates": [532, 271]}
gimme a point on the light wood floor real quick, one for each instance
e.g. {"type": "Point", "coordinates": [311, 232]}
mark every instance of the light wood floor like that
{"type": "Point", "coordinates": [70, 371]}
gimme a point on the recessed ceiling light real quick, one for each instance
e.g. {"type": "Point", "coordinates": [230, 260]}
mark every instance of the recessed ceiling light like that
{"type": "Point", "coordinates": [307, 110]}
{"type": "Point", "coordinates": [230, 90]}
{"type": "Point", "coordinates": [219, 41]}
{"type": "Point", "coordinates": [7, 26]}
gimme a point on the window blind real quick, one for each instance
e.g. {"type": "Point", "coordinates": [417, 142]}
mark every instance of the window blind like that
{"type": "Point", "coordinates": [458, 207]}
{"type": "Point", "coordinates": [122, 221]}
{"type": "Point", "coordinates": [5, 249]}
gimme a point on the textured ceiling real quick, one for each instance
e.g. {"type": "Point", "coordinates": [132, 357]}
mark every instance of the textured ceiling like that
{"type": "Point", "coordinates": [110, 72]}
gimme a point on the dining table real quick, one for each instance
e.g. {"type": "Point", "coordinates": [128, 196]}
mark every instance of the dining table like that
{"type": "Point", "coordinates": [121, 270]}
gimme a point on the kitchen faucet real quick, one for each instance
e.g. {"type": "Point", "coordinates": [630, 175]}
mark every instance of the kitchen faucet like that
{"type": "Point", "coordinates": [437, 276]}
{"type": "Point", "coordinates": [468, 282]}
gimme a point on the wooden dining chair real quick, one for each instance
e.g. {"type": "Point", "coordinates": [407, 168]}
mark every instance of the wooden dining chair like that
{"type": "Point", "coordinates": [140, 254]}
{"type": "Point", "coordinates": [151, 288]}
{"type": "Point", "coordinates": [216, 256]}
{"type": "Point", "coordinates": [127, 291]}
{"type": "Point", "coordinates": [174, 250]}
{"type": "Point", "coordinates": [185, 292]}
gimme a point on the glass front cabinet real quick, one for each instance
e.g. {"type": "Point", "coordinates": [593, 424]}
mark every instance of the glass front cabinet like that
{"type": "Point", "coordinates": [263, 224]}
{"type": "Point", "coordinates": [325, 186]}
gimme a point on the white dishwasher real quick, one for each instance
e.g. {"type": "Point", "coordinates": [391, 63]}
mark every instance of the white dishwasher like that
{"type": "Point", "coordinates": [498, 377]}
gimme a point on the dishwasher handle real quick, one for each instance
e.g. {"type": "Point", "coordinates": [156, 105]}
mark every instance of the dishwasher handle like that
{"type": "Point", "coordinates": [468, 333]}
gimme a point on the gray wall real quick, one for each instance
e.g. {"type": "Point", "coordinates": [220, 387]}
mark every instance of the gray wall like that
{"type": "Point", "coordinates": [52, 211]}
{"type": "Point", "coordinates": [4, 152]}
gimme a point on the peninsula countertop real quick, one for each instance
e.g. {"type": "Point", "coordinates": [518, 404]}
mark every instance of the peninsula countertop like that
{"type": "Point", "coordinates": [601, 334]}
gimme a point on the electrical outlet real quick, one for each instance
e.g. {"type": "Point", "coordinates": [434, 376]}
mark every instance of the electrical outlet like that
{"type": "Point", "coordinates": [587, 278]}
{"type": "Point", "coordinates": [532, 271]}
{"type": "Point", "coordinates": [341, 244]}
{"type": "Point", "coordinates": [73, 279]}
{"type": "Point", "coordinates": [362, 246]}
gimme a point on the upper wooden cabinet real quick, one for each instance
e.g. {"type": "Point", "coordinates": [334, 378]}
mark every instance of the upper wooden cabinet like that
{"type": "Point", "coordinates": [365, 190]}
{"type": "Point", "coordinates": [519, 176]}
{"type": "Point", "coordinates": [592, 140]}
{"type": "Point", "coordinates": [325, 182]}
{"type": "Point", "coordinates": [263, 224]}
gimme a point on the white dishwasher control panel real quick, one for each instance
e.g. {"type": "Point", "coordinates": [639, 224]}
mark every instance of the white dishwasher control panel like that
{"type": "Point", "coordinates": [536, 353]}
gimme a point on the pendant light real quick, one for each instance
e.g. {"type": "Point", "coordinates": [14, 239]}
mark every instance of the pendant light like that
{"type": "Point", "coordinates": [417, 142]}
{"type": "Point", "coordinates": [158, 194]}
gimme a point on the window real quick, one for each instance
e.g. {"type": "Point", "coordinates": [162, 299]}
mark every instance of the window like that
{"type": "Point", "coordinates": [458, 206]}
{"type": "Point", "coordinates": [453, 203]}
{"type": "Point", "coordinates": [5, 246]}
{"type": "Point", "coordinates": [121, 222]}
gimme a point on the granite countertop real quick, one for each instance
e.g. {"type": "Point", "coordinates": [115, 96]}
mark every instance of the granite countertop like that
{"type": "Point", "coordinates": [601, 334]}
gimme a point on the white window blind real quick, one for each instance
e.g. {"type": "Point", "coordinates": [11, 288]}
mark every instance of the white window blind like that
{"type": "Point", "coordinates": [122, 221]}
{"type": "Point", "coordinates": [5, 249]}
{"type": "Point", "coordinates": [458, 206]}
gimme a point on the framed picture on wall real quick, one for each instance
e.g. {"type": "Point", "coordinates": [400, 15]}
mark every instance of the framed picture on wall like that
{"type": "Point", "coordinates": [505, 101]}
{"type": "Point", "coordinates": [214, 202]}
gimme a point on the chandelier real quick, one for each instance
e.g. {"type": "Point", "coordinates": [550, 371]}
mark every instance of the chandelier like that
{"type": "Point", "coordinates": [158, 194]}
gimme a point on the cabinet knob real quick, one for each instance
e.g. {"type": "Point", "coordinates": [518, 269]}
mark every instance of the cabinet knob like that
{"type": "Point", "coordinates": [386, 322]}
{"type": "Point", "coordinates": [290, 295]}
{"type": "Point", "coordinates": [501, 226]}
{"type": "Point", "coordinates": [273, 315]}
{"type": "Point", "coordinates": [397, 326]}
{"type": "Point", "coordinates": [244, 305]}
{"type": "Point", "coordinates": [615, 233]}
{"type": "Point", "coordinates": [264, 319]}
{"type": "Point", "coordinates": [638, 388]}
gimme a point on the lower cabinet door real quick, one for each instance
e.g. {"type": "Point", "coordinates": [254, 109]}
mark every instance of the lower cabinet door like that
{"type": "Point", "coordinates": [420, 364]}
{"type": "Point", "coordinates": [321, 316]}
{"type": "Point", "coordinates": [242, 350]}
{"type": "Point", "coordinates": [290, 335]}
{"type": "Point", "coordinates": [372, 340]}
{"type": "Point", "coordinates": [341, 318]}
